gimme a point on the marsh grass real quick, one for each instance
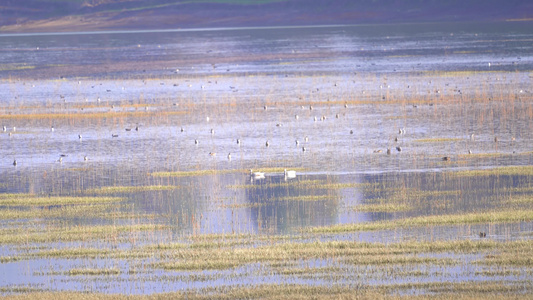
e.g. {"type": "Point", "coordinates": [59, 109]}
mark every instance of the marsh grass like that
{"type": "Point", "coordinates": [523, 199]}
{"type": "Point", "coordinates": [79, 233]}
{"type": "Point", "coordinates": [130, 189]}
{"type": "Point", "coordinates": [471, 290]}
{"type": "Point", "coordinates": [64, 200]}
{"type": "Point", "coordinates": [381, 208]}
{"type": "Point", "coordinates": [70, 211]}
{"type": "Point", "coordinates": [500, 171]}
{"type": "Point", "coordinates": [93, 272]}
{"type": "Point", "coordinates": [305, 198]}
{"type": "Point", "coordinates": [437, 220]}
{"type": "Point", "coordinates": [7, 259]}
{"type": "Point", "coordinates": [504, 272]}
{"type": "Point", "coordinates": [242, 205]}
{"type": "Point", "coordinates": [284, 255]}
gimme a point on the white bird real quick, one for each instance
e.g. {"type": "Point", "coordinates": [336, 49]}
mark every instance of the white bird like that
{"type": "Point", "coordinates": [303, 149]}
{"type": "Point", "coordinates": [289, 174]}
{"type": "Point", "coordinates": [4, 129]}
{"type": "Point", "coordinates": [297, 143]}
{"type": "Point", "coordinates": [79, 136]}
{"type": "Point", "coordinates": [196, 142]}
{"type": "Point", "coordinates": [85, 158]}
{"type": "Point", "coordinates": [229, 156]}
{"type": "Point", "coordinates": [238, 141]}
{"type": "Point", "coordinates": [267, 144]}
{"type": "Point", "coordinates": [60, 159]}
{"type": "Point", "coordinates": [257, 175]}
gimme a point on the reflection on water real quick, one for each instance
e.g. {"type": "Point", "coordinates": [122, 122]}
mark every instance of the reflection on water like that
{"type": "Point", "coordinates": [232, 203]}
{"type": "Point", "coordinates": [364, 115]}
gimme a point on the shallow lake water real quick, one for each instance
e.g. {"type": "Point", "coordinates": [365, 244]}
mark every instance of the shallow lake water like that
{"type": "Point", "coordinates": [168, 109]}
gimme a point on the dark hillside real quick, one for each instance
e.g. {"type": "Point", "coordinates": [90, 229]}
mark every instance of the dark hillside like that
{"type": "Point", "coordinates": [64, 15]}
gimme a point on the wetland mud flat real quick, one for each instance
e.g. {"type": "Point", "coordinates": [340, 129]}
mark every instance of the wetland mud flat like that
{"type": "Point", "coordinates": [377, 161]}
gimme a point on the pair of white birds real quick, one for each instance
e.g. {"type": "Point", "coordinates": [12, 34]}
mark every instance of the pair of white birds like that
{"type": "Point", "coordinates": [261, 175]}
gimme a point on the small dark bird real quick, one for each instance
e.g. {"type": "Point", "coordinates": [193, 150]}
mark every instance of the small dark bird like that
{"type": "Point", "coordinates": [388, 151]}
{"type": "Point", "coordinates": [128, 129]}
{"type": "Point", "coordinates": [399, 149]}
{"type": "Point", "coordinates": [114, 135]}
{"type": "Point", "coordinates": [446, 158]}
{"type": "Point", "coordinates": [482, 234]}
{"type": "Point", "coordinates": [15, 162]}
{"type": "Point", "coordinates": [351, 131]}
